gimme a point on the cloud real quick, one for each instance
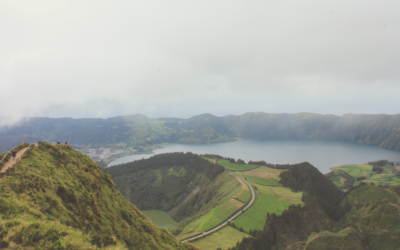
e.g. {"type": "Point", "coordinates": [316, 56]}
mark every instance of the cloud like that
{"type": "Point", "coordinates": [177, 58]}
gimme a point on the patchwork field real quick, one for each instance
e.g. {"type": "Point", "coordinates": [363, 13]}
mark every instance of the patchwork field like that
{"type": "Point", "coordinates": [235, 166]}
{"type": "Point", "coordinates": [265, 172]}
{"type": "Point", "coordinates": [263, 181]}
{"type": "Point", "coordinates": [387, 177]}
{"type": "Point", "coordinates": [360, 170]}
{"type": "Point", "coordinates": [268, 200]}
{"type": "Point", "coordinates": [224, 238]}
{"type": "Point", "coordinates": [219, 214]}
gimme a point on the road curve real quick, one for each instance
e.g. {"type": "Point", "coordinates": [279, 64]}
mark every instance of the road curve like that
{"type": "Point", "coordinates": [230, 218]}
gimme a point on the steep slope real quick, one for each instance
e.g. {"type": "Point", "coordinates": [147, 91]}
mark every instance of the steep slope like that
{"type": "Point", "coordinates": [56, 197]}
{"type": "Point", "coordinates": [185, 185]}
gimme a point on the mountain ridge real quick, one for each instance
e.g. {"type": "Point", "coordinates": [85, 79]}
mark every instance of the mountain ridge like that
{"type": "Point", "coordinates": [137, 130]}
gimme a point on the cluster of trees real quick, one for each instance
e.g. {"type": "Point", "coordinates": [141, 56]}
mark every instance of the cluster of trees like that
{"type": "Point", "coordinates": [379, 163]}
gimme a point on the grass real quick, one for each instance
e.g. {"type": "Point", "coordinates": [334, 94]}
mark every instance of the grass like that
{"type": "Point", "coordinates": [224, 238]}
{"type": "Point", "coordinates": [228, 187]}
{"type": "Point", "coordinates": [244, 195]}
{"type": "Point", "coordinates": [208, 159]}
{"type": "Point", "coordinates": [263, 181]}
{"type": "Point", "coordinates": [160, 218]}
{"type": "Point", "coordinates": [58, 196]}
{"type": "Point", "coordinates": [387, 177]}
{"type": "Point", "coordinates": [235, 166]}
{"type": "Point", "coordinates": [265, 172]}
{"type": "Point", "coordinates": [269, 200]}
{"type": "Point", "coordinates": [345, 239]}
{"type": "Point", "coordinates": [360, 170]}
{"type": "Point", "coordinates": [219, 214]}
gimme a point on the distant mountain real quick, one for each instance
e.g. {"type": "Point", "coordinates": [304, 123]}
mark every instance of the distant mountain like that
{"type": "Point", "coordinates": [58, 198]}
{"type": "Point", "coordinates": [138, 130]}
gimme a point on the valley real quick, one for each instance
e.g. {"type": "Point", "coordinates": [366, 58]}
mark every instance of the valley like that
{"type": "Point", "coordinates": [221, 199]}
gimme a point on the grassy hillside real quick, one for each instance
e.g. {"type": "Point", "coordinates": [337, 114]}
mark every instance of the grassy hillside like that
{"type": "Point", "coordinates": [58, 198]}
{"type": "Point", "coordinates": [368, 217]}
{"type": "Point", "coordinates": [193, 190]}
{"type": "Point", "coordinates": [165, 181]}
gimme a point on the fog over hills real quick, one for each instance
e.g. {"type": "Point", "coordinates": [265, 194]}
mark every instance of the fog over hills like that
{"type": "Point", "coordinates": [138, 130]}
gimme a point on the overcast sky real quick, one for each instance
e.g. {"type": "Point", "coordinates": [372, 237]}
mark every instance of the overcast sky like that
{"type": "Point", "coordinates": [182, 58]}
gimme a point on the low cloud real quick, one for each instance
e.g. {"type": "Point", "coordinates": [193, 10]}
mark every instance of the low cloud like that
{"type": "Point", "coordinates": [180, 58]}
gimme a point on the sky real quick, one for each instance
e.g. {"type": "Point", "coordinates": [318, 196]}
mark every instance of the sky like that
{"type": "Point", "coordinates": [183, 58]}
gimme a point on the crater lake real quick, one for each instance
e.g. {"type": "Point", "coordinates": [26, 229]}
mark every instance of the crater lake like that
{"type": "Point", "coordinates": [323, 154]}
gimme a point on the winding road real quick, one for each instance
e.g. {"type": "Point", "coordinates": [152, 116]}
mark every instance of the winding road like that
{"type": "Point", "coordinates": [230, 218]}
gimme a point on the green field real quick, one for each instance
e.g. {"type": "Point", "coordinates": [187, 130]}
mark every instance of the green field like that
{"type": "Point", "coordinates": [269, 200]}
{"type": "Point", "coordinates": [208, 159]}
{"type": "Point", "coordinates": [228, 188]}
{"type": "Point", "coordinates": [263, 181]}
{"type": "Point", "coordinates": [224, 238]}
{"type": "Point", "coordinates": [235, 166]}
{"type": "Point", "coordinates": [361, 170]}
{"type": "Point", "coordinates": [160, 218]}
{"type": "Point", "coordinates": [387, 177]}
{"type": "Point", "coordinates": [219, 214]}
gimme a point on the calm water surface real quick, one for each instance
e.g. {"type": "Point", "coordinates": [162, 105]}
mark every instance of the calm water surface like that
{"type": "Point", "coordinates": [323, 154]}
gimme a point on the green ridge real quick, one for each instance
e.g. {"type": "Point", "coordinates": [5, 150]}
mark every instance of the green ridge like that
{"type": "Point", "coordinates": [58, 198]}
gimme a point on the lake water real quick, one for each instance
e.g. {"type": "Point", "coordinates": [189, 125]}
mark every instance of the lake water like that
{"type": "Point", "coordinates": [323, 154]}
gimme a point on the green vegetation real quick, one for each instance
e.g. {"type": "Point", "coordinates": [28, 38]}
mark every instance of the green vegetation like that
{"type": "Point", "coordinates": [365, 217]}
{"type": "Point", "coordinates": [263, 181]}
{"type": "Point", "coordinates": [269, 200]}
{"type": "Point", "coordinates": [165, 181]}
{"type": "Point", "coordinates": [236, 166]}
{"type": "Point", "coordinates": [341, 179]}
{"type": "Point", "coordinates": [228, 186]}
{"type": "Point", "coordinates": [160, 218]}
{"type": "Point", "coordinates": [385, 176]}
{"type": "Point", "coordinates": [220, 213]}
{"type": "Point", "coordinates": [344, 239]}
{"type": "Point", "coordinates": [57, 198]}
{"type": "Point", "coordinates": [224, 238]}
{"type": "Point", "coordinates": [139, 131]}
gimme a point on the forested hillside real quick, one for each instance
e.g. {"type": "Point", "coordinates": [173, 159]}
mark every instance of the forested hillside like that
{"type": "Point", "coordinates": [58, 198]}
{"type": "Point", "coordinates": [138, 130]}
{"type": "Point", "coordinates": [185, 185]}
{"type": "Point", "coordinates": [365, 217]}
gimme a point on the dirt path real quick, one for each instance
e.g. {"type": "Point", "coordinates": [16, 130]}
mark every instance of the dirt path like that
{"type": "Point", "coordinates": [398, 168]}
{"type": "Point", "coordinates": [10, 162]}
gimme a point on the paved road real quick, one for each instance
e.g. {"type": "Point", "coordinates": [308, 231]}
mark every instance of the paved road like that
{"type": "Point", "coordinates": [230, 218]}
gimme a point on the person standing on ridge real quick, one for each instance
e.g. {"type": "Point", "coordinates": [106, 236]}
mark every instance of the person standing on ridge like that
{"type": "Point", "coordinates": [66, 143]}
{"type": "Point", "coordinates": [58, 142]}
{"type": "Point", "coordinates": [13, 154]}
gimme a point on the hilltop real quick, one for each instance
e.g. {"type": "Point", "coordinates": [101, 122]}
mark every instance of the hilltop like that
{"type": "Point", "coordinates": [139, 131]}
{"type": "Point", "coordinates": [56, 198]}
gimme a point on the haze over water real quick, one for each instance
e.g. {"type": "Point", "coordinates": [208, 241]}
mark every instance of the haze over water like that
{"type": "Point", "coordinates": [323, 154]}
